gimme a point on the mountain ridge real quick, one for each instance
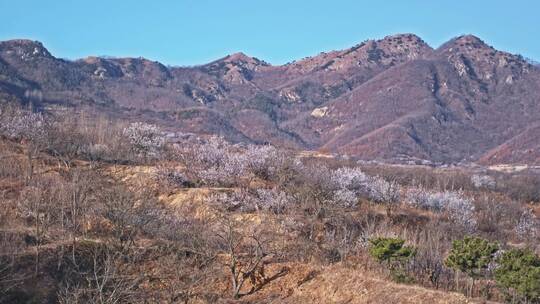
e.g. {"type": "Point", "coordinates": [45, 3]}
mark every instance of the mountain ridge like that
{"type": "Point", "coordinates": [392, 99]}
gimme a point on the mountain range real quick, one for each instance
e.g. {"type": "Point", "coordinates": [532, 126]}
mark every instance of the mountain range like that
{"type": "Point", "coordinates": [395, 99]}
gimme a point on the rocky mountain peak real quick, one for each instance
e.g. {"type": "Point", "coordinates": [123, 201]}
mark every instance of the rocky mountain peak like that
{"type": "Point", "coordinates": [24, 48]}
{"type": "Point", "coordinates": [407, 46]}
{"type": "Point", "coordinates": [241, 58]}
{"type": "Point", "coordinates": [390, 50]}
{"type": "Point", "coordinates": [406, 38]}
{"type": "Point", "coordinates": [235, 68]}
{"type": "Point", "coordinates": [474, 58]}
{"type": "Point", "coordinates": [466, 44]}
{"type": "Point", "coordinates": [471, 40]}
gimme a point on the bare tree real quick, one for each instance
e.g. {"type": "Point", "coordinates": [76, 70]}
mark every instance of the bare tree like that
{"type": "Point", "coordinates": [188, 257]}
{"type": "Point", "coordinates": [9, 278]}
{"type": "Point", "coordinates": [246, 257]}
{"type": "Point", "coordinates": [128, 213]}
{"type": "Point", "coordinates": [66, 142]}
{"type": "Point", "coordinates": [74, 204]}
{"type": "Point", "coordinates": [38, 206]}
{"type": "Point", "coordinates": [105, 282]}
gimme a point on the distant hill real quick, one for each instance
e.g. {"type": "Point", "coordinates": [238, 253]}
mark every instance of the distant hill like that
{"type": "Point", "coordinates": [395, 99]}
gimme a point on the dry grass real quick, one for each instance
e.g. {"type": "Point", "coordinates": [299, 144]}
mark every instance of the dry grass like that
{"type": "Point", "coordinates": [342, 283]}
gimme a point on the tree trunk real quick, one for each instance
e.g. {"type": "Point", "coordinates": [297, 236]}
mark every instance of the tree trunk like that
{"type": "Point", "coordinates": [38, 244]}
{"type": "Point", "coordinates": [457, 280]}
{"type": "Point", "coordinates": [30, 169]}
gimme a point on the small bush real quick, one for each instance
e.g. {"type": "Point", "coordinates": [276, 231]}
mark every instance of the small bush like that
{"type": "Point", "coordinates": [394, 254]}
{"type": "Point", "coordinates": [390, 250]}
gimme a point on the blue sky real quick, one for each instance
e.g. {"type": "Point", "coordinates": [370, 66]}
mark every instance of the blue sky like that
{"type": "Point", "coordinates": [188, 32]}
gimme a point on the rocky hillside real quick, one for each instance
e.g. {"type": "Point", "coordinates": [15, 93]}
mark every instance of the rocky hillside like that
{"type": "Point", "coordinates": [394, 99]}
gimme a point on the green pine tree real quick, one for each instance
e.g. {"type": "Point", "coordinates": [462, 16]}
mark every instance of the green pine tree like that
{"type": "Point", "coordinates": [518, 271]}
{"type": "Point", "coordinates": [394, 254]}
{"type": "Point", "coordinates": [471, 255]}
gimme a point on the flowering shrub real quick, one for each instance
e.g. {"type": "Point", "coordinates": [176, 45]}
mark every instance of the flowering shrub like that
{"type": "Point", "coordinates": [527, 226]}
{"type": "Point", "coordinates": [226, 172]}
{"type": "Point", "coordinates": [146, 140]}
{"type": "Point", "coordinates": [213, 161]}
{"type": "Point", "coordinates": [216, 162]}
{"type": "Point", "coordinates": [228, 201]}
{"type": "Point", "coordinates": [350, 178]}
{"type": "Point", "coordinates": [345, 197]}
{"type": "Point", "coordinates": [349, 184]}
{"type": "Point", "coordinates": [273, 200]}
{"type": "Point", "coordinates": [32, 128]}
{"type": "Point", "coordinates": [264, 161]}
{"type": "Point", "coordinates": [239, 200]}
{"type": "Point", "coordinates": [424, 199]}
{"type": "Point", "coordinates": [22, 125]}
{"type": "Point", "coordinates": [383, 191]}
{"type": "Point", "coordinates": [419, 197]}
{"type": "Point", "coordinates": [460, 209]}
{"type": "Point", "coordinates": [483, 181]}
{"type": "Point", "coordinates": [461, 212]}
{"type": "Point", "coordinates": [212, 151]}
